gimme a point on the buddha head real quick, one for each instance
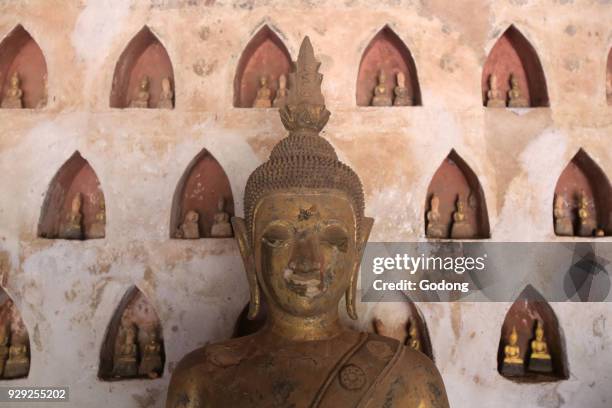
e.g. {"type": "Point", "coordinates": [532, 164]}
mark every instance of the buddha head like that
{"type": "Point", "coordinates": [144, 83]}
{"type": "Point", "coordinates": [381, 77]}
{"type": "Point", "coordinates": [513, 337]}
{"type": "Point", "coordinates": [539, 332]}
{"type": "Point", "coordinates": [435, 204]}
{"type": "Point", "coordinates": [263, 81]}
{"type": "Point", "coordinates": [493, 82]}
{"type": "Point", "coordinates": [514, 82]}
{"type": "Point", "coordinates": [282, 82]}
{"type": "Point", "coordinates": [77, 201]}
{"type": "Point", "coordinates": [14, 80]}
{"type": "Point", "coordinates": [166, 88]}
{"type": "Point", "coordinates": [460, 205]}
{"type": "Point", "coordinates": [192, 216]}
{"type": "Point", "coordinates": [401, 79]}
{"type": "Point", "coordinates": [304, 229]}
{"type": "Point", "coordinates": [220, 204]}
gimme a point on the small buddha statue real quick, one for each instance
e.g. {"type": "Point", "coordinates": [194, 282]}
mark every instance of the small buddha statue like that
{"type": "Point", "coordinates": [381, 93]}
{"type": "Point", "coordinates": [414, 338]}
{"type": "Point", "coordinates": [586, 221]}
{"type": "Point", "coordinates": [125, 362]}
{"type": "Point", "coordinates": [142, 96]}
{"type": "Point", "coordinates": [461, 228]}
{"type": "Point", "coordinates": [190, 228]}
{"type": "Point", "coordinates": [513, 364]}
{"type": "Point", "coordinates": [13, 95]}
{"type": "Point", "coordinates": [18, 363]}
{"type": "Point", "coordinates": [435, 228]}
{"type": "Point", "coordinates": [42, 102]}
{"type": "Point", "coordinates": [403, 97]}
{"type": "Point", "coordinates": [515, 97]}
{"type": "Point", "coordinates": [495, 97]}
{"type": "Point", "coordinates": [221, 222]}
{"type": "Point", "coordinates": [539, 359]}
{"type": "Point", "coordinates": [264, 94]}
{"type": "Point", "coordinates": [4, 346]}
{"type": "Point", "coordinates": [563, 221]}
{"type": "Point", "coordinates": [281, 92]}
{"type": "Point", "coordinates": [151, 362]}
{"type": "Point", "coordinates": [98, 227]}
{"type": "Point", "coordinates": [72, 227]}
{"type": "Point", "coordinates": [166, 95]}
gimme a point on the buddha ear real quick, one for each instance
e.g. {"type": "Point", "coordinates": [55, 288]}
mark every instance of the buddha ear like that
{"type": "Point", "coordinates": [351, 292]}
{"type": "Point", "coordinates": [241, 233]}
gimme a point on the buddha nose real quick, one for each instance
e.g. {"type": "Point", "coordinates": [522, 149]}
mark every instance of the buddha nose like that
{"type": "Point", "coordinates": [306, 254]}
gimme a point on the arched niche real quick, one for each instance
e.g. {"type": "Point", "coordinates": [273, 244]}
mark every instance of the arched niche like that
{"type": "Point", "coordinates": [523, 316]}
{"type": "Point", "coordinates": [20, 54]}
{"type": "Point", "coordinates": [245, 326]}
{"type": "Point", "coordinates": [133, 346]}
{"type": "Point", "coordinates": [609, 78]}
{"type": "Point", "coordinates": [455, 181]}
{"type": "Point", "coordinates": [582, 177]}
{"type": "Point", "coordinates": [513, 54]}
{"type": "Point", "coordinates": [144, 56]}
{"type": "Point", "coordinates": [62, 216]}
{"type": "Point", "coordinates": [387, 52]}
{"type": "Point", "coordinates": [14, 341]}
{"type": "Point", "coordinates": [200, 189]}
{"type": "Point", "coordinates": [264, 56]}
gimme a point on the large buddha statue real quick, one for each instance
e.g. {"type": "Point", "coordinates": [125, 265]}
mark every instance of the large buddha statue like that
{"type": "Point", "coordinates": [301, 241]}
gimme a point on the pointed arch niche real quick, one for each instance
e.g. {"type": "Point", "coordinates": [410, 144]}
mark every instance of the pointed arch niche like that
{"type": "Point", "coordinates": [264, 56]}
{"type": "Point", "coordinates": [513, 54]}
{"type": "Point", "coordinates": [387, 52]}
{"type": "Point", "coordinates": [455, 181]}
{"type": "Point", "coordinates": [582, 177]}
{"type": "Point", "coordinates": [74, 207]}
{"type": "Point", "coordinates": [199, 190]}
{"type": "Point", "coordinates": [133, 346]}
{"type": "Point", "coordinates": [144, 56]}
{"type": "Point", "coordinates": [609, 78]}
{"type": "Point", "coordinates": [524, 314]}
{"type": "Point", "coordinates": [14, 341]}
{"type": "Point", "coordinates": [20, 54]}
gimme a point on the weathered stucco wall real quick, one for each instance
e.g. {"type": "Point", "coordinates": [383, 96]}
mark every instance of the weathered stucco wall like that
{"type": "Point", "coordinates": [67, 291]}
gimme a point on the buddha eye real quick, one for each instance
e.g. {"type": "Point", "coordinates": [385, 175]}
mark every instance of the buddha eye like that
{"type": "Point", "coordinates": [276, 235]}
{"type": "Point", "coordinates": [335, 235]}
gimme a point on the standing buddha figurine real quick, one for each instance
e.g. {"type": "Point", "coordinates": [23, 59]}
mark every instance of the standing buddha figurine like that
{"type": "Point", "coordinates": [13, 95]}
{"type": "Point", "coordinates": [166, 96]}
{"type": "Point", "coordinates": [403, 97]}
{"type": "Point", "coordinates": [495, 97]}
{"type": "Point", "coordinates": [515, 96]}
{"type": "Point", "coordinates": [142, 96]}
{"type": "Point", "coordinates": [264, 94]}
{"type": "Point", "coordinates": [513, 364]}
{"type": "Point", "coordinates": [539, 359]}
{"type": "Point", "coordinates": [381, 93]}
{"type": "Point", "coordinates": [281, 92]}
{"type": "Point", "coordinates": [72, 228]}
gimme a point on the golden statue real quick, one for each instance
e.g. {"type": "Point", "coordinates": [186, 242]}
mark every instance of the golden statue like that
{"type": "Point", "coordinates": [381, 93]}
{"type": "Point", "coordinates": [13, 95]}
{"type": "Point", "coordinates": [189, 229]}
{"type": "Point", "coordinates": [264, 94]}
{"type": "Point", "coordinates": [301, 241]}
{"type": "Point", "coordinates": [563, 222]}
{"type": "Point", "coordinates": [4, 346]}
{"type": "Point", "coordinates": [72, 227]}
{"type": "Point", "coordinates": [414, 338]}
{"type": "Point", "coordinates": [221, 222]}
{"type": "Point", "coordinates": [586, 222]}
{"type": "Point", "coordinates": [461, 227]}
{"type": "Point", "coordinates": [142, 97]}
{"type": "Point", "coordinates": [98, 227]}
{"type": "Point", "coordinates": [281, 92]}
{"type": "Point", "coordinates": [513, 362]}
{"type": "Point", "coordinates": [151, 362]}
{"type": "Point", "coordinates": [495, 97]}
{"type": "Point", "coordinates": [18, 363]}
{"type": "Point", "coordinates": [166, 95]}
{"type": "Point", "coordinates": [402, 94]}
{"type": "Point", "coordinates": [539, 359]}
{"type": "Point", "coordinates": [515, 96]}
{"type": "Point", "coordinates": [125, 361]}
{"type": "Point", "coordinates": [435, 228]}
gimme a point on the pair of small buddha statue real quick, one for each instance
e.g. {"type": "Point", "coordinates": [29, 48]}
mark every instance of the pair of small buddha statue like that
{"type": "Point", "coordinates": [14, 343]}
{"type": "Point", "coordinates": [73, 226]}
{"type": "Point", "coordinates": [460, 227]}
{"type": "Point", "coordinates": [138, 351]}
{"type": "Point", "coordinates": [585, 225]}
{"type": "Point", "coordinates": [190, 227]}
{"type": "Point", "coordinates": [141, 100]}
{"type": "Point", "coordinates": [497, 99]}
{"type": "Point", "coordinates": [263, 99]}
{"type": "Point", "coordinates": [401, 95]}
{"type": "Point", "coordinates": [539, 360]}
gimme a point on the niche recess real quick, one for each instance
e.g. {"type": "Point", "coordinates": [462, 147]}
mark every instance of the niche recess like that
{"type": "Point", "coordinates": [609, 78]}
{"type": "Point", "coordinates": [513, 54]}
{"type": "Point", "coordinates": [244, 326]}
{"type": "Point", "coordinates": [14, 341]}
{"type": "Point", "coordinates": [453, 179]}
{"type": "Point", "coordinates": [133, 346]}
{"type": "Point", "coordinates": [75, 177]}
{"type": "Point", "coordinates": [21, 54]}
{"type": "Point", "coordinates": [199, 189]}
{"type": "Point", "coordinates": [144, 56]}
{"type": "Point", "coordinates": [524, 314]}
{"type": "Point", "coordinates": [583, 176]}
{"type": "Point", "coordinates": [264, 56]}
{"type": "Point", "coordinates": [386, 52]}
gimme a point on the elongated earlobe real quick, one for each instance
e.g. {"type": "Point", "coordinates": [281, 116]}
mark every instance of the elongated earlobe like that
{"type": "Point", "coordinates": [240, 231]}
{"type": "Point", "coordinates": [351, 292]}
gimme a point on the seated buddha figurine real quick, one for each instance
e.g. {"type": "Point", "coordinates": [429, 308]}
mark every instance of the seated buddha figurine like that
{"type": "Point", "coordinates": [539, 359]}
{"type": "Point", "coordinates": [13, 95]}
{"type": "Point", "coordinates": [435, 228]}
{"type": "Point", "coordinates": [4, 346]}
{"type": "Point", "coordinates": [142, 96]}
{"type": "Point", "coordinates": [125, 361]}
{"type": "Point", "coordinates": [166, 96]}
{"type": "Point", "coordinates": [151, 362]}
{"type": "Point", "coordinates": [563, 221]}
{"type": "Point", "coordinates": [190, 228]}
{"type": "Point", "coordinates": [461, 228]}
{"type": "Point", "coordinates": [98, 227]}
{"type": "Point", "coordinates": [221, 222]}
{"type": "Point", "coordinates": [586, 221]}
{"type": "Point", "coordinates": [72, 228]}
{"type": "Point", "coordinates": [281, 92]}
{"type": "Point", "coordinates": [264, 94]}
{"type": "Point", "coordinates": [513, 364]}
{"type": "Point", "coordinates": [495, 97]}
{"type": "Point", "coordinates": [516, 99]}
{"type": "Point", "coordinates": [381, 93]}
{"type": "Point", "coordinates": [403, 96]}
{"type": "Point", "coordinates": [301, 241]}
{"type": "Point", "coordinates": [18, 363]}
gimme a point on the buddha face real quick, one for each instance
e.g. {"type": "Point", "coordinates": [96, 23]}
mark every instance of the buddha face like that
{"type": "Point", "coordinates": [192, 216]}
{"type": "Point", "coordinates": [304, 245]}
